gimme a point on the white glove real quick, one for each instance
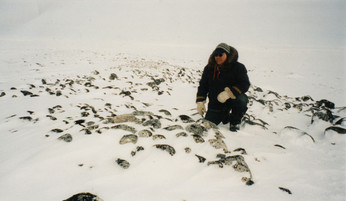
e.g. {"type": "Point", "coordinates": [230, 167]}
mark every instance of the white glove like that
{"type": "Point", "coordinates": [201, 107]}
{"type": "Point", "coordinates": [225, 95]}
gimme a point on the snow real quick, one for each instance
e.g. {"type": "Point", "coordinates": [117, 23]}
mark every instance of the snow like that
{"type": "Point", "coordinates": [294, 48]}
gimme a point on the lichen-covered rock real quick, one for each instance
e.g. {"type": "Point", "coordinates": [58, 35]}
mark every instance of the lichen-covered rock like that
{"type": "Point", "coordinates": [196, 129]}
{"type": "Point", "coordinates": [181, 134]}
{"type": "Point", "coordinates": [218, 143]}
{"type": "Point", "coordinates": [67, 137]}
{"type": "Point", "coordinates": [166, 148]}
{"type": "Point", "coordinates": [145, 133]}
{"type": "Point", "coordinates": [125, 118]}
{"type": "Point", "coordinates": [198, 139]}
{"type": "Point", "coordinates": [155, 123]}
{"type": "Point", "coordinates": [123, 163]}
{"type": "Point", "coordinates": [158, 137]}
{"type": "Point", "coordinates": [138, 148]}
{"type": "Point", "coordinates": [124, 127]}
{"type": "Point", "coordinates": [84, 197]}
{"type": "Point", "coordinates": [174, 127]}
{"type": "Point", "coordinates": [129, 139]}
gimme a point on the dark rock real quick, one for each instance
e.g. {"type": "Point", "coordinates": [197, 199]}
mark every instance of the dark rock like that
{"type": "Point", "coordinates": [125, 127]}
{"type": "Point", "coordinates": [44, 81]}
{"type": "Point", "coordinates": [155, 123]}
{"type": "Point", "coordinates": [113, 76]}
{"type": "Point", "coordinates": [241, 150]}
{"type": "Point", "coordinates": [282, 147]}
{"type": "Point", "coordinates": [174, 127]}
{"type": "Point", "coordinates": [58, 93]}
{"type": "Point", "coordinates": [79, 122]}
{"type": "Point", "coordinates": [306, 98]}
{"type": "Point", "coordinates": [85, 114]}
{"type": "Point", "coordinates": [66, 137]}
{"type": "Point", "coordinates": [166, 112]}
{"type": "Point", "coordinates": [125, 93]}
{"type": "Point", "coordinates": [26, 118]}
{"type": "Point", "coordinates": [187, 150]}
{"type": "Point", "coordinates": [325, 115]}
{"type": "Point", "coordinates": [325, 103]}
{"type": "Point", "coordinates": [51, 117]}
{"type": "Point", "coordinates": [160, 137]}
{"type": "Point", "coordinates": [138, 148]}
{"type": "Point", "coordinates": [26, 93]}
{"type": "Point", "coordinates": [181, 134]}
{"type": "Point", "coordinates": [186, 119]}
{"type": "Point", "coordinates": [123, 163]}
{"type": "Point", "coordinates": [2, 94]}
{"type": "Point", "coordinates": [196, 129]}
{"type": "Point", "coordinates": [57, 130]}
{"type": "Point", "coordinates": [84, 197]}
{"type": "Point", "coordinates": [298, 131]}
{"type": "Point", "coordinates": [285, 190]}
{"type": "Point", "coordinates": [340, 121]}
{"type": "Point", "coordinates": [336, 129]}
{"type": "Point", "coordinates": [201, 159]}
{"type": "Point", "coordinates": [166, 148]}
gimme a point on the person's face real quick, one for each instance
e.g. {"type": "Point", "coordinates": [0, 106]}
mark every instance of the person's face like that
{"type": "Point", "coordinates": [220, 58]}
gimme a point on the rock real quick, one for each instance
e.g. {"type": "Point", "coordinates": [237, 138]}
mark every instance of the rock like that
{"type": "Point", "coordinates": [84, 197]}
{"type": "Point", "coordinates": [295, 132]}
{"type": "Point", "coordinates": [186, 119]}
{"type": "Point", "coordinates": [166, 112]}
{"type": "Point", "coordinates": [26, 93]}
{"type": "Point", "coordinates": [196, 129]}
{"type": "Point", "coordinates": [181, 134]}
{"type": "Point", "coordinates": [155, 123]}
{"type": "Point", "coordinates": [282, 147]}
{"type": "Point", "coordinates": [285, 190]}
{"type": "Point", "coordinates": [166, 148]}
{"type": "Point", "coordinates": [142, 113]}
{"type": "Point", "coordinates": [80, 122]}
{"type": "Point", "coordinates": [208, 124]}
{"type": "Point", "coordinates": [124, 127]}
{"type": "Point", "coordinates": [113, 76]}
{"type": "Point", "coordinates": [174, 127]}
{"type": "Point", "coordinates": [138, 148]}
{"type": "Point", "coordinates": [241, 150]}
{"type": "Point", "coordinates": [57, 130]}
{"type": "Point", "coordinates": [201, 159]}
{"type": "Point", "coordinates": [125, 118]}
{"type": "Point", "coordinates": [123, 163]}
{"type": "Point", "coordinates": [198, 138]}
{"type": "Point", "coordinates": [159, 137]}
{"type": "Point", "coordinates": [325, 103]}
{"type": "Point", "coordinates": [219, 163]}
{"type": "Point", "coordinates": [247, 181]}
{"type": "Point", "coordinates": [336, 129]}
{"type": "Point", "coordinates": [145, 133]}
{"type": "Point", "coordinates": [187, 150]}
{"type": "Point", "coordinates": [26, 118]}
{"type": "Point", "coordinates": [2, 94]}
{"type": "Point", "coordinates": [325, 115]}
{"type": "Point", "coordinates": [129, 139]}
{"type": "Point", "coordinates": [66, 138]}
{"type": "Point", "coordinates": [340, 121]}
{"type": "Point", "coordinates": [218, 143]}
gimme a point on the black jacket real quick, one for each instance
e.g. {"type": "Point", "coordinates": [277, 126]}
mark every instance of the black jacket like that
{"type": "Point", "coordinates": [231, 74]}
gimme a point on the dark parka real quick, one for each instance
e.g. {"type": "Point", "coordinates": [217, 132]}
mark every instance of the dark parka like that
{"type": "Point", "coordinates": [215, 78]}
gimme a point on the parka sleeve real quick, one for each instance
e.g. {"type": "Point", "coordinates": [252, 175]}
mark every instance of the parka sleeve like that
{"type": "Point", "coordinates": [203, 88]}
{"type": "Point", "coordinates": [243, 82]}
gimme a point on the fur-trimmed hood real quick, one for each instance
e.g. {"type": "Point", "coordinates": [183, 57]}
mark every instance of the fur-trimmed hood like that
{"type": "Point", "coordinates": [231, 58]}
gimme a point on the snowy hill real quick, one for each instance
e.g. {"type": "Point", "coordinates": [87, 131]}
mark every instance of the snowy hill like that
{"type": "Point", "coordinates": [99, 97]}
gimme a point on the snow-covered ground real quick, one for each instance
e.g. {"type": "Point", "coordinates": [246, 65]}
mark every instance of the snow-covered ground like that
{"type": "Point", "coordinates": [291, 49]}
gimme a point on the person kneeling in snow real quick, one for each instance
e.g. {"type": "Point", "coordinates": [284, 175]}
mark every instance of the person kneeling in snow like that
{"type": "Point", "coordinates": [224, 81]}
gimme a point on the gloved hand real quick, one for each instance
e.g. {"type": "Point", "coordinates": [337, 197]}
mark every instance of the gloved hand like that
{"type": "Point", "coordinates": [201, 107]}
{"type": "Point", "coordinates": [225, 95]}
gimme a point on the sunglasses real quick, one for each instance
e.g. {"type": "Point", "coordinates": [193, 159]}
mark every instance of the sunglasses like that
{"type": "Point", "coordinates": [218, 53]}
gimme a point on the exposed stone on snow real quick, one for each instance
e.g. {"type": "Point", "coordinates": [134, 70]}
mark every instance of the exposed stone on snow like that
{"type": "Point", "coordinates": [174, 127]}
{"type": "Point", "coordinates": [145, 133]}
{"type": "Point", "coordinates": [67, 137]}
{"type": "Point", "coordinates": [201, 159]}
{"type": "Point", "coordinates": [124, 127]}
{"type": "Point", "coordinates": [158, 137]}
{"type": "Point", "coordinates": [84, 197]}
{"type": "Point", "coordinates": [57, 130]}
{"type": "Point", "coordinates": [196, 129]}
{"type": "Point", "coordinates": [129, 139]}
{"type": "Point", "coordinates": [125, 118]}
{"type": "Point", "coordinates": [198, 138]}
{"type": "Point", "coordinates": [166, 112]}
{"type": "Point", "coordinates": [337, 129]}
{"type": "Point", "coordinates": [166, 148]}
{"type": "Point", "coordinates": [186, 119]}
{"type": "Point", "coordinates": [285, 190]}
{"type": "Point", "coordinates": [181, 134]}
{"type": "Point", "coordinates": [123, 163]}
{"type": "Point", "coordinates": [138, 148]}
{"type": "Point", "coordinates": [155, 123]}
